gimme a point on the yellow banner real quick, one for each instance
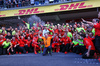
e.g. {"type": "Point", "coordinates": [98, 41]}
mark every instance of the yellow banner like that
{"type": "Point", "coordinates": [51, 8]}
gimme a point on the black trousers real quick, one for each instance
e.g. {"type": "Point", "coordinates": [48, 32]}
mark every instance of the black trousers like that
{"type": "Point", "coordinates": [16, 49]}
{"type": "Point", "coordinates": [22, 49]}
{"type": "Point", "coordinates": [97, 43]}
{"type": "Point", "coordinates": [29, 49]}
{"type": "Point", "coordinates": [4, 50]}
{"type": "Point", "coordinates": [0, 50]}
{"type": "Point", "coordinates": [90, 56]}
{"type": "Point", "coordinates": [66, 47]}
{"type": "Point", "coordinates": [81, 49]}
{"type": "Point", "coordinates": [75, 49]}
{"type": "Point", "coordinates": [26, 47]}
{"type": "Point", "coordinates": [61, 47]}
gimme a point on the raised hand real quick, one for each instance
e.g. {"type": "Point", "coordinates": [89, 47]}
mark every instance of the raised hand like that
{"type": "Point", "coordinates": [83, 20]}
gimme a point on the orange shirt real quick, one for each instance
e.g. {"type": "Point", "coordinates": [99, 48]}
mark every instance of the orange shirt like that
{"type": "Point", "coordinates": [47, 41]}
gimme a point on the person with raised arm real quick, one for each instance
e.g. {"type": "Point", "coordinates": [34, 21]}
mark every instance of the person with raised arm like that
{"type": "Point", "coordinates": [96, 25]}
{"type": "Point", "coordinates": [90, 48]}
{"type": "Point", "coordinates": [47, 43]}
{"type": "Point", "coordinates": [27, 24]}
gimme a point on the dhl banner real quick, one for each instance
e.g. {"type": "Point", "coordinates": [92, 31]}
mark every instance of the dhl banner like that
{"type": "Point", "coordinates": [51, 8]}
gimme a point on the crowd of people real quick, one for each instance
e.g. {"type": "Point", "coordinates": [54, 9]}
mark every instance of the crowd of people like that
{"type": "Point", "coordinates": [81, 38]}
{"type": "Point", "coordinates": [20, 3]}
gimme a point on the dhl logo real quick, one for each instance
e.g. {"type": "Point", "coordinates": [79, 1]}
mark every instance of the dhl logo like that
{"type": "Point", "coordinates": [29, 11]}
{"type": "Point", "coordinates": [2, 15]}
{"type": "Point", "coordinates": [73, 6]}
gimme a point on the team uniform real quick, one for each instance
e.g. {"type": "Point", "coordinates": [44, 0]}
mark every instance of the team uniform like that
{"type": "Point", "coordinates": [21, 43]}
{"type": "Point", "coordinates": [56, 43]}
{"type": "Point", "coordinates": [35, 44]}
{"type": "Point", "coordinates": [6, 45]}
{"type": "Point", "coordinates": [97, 36]}
{"type": "Point", "coordinates": [80, 47]}
{"type": "Point", "coordinates": [47, 42]}
{"type": "Point", "coordinates": [15, 46]}
{"type": "Point", "coordinates": [87, 42]}
{"type": "Point", "coordinates": [65, 44]}
{"type": "Point", "coordinates": [28, 45]}
{"type": "Point", "coordinates": [75, 46]}
{"type": "Point", "coordinates": [1, 42]}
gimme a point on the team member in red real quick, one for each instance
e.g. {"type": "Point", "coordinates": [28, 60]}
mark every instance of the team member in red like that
{"type": "Point", "coordinates": [35, 43]}
{"type": "Point", "coordinates": [96, 25]}
{"type": "Point", "coordinates": [56, 30]}
{"type": "Point", "coordinates": [21, 43]}
{"type": "Point", "coordinates": [28, 44]}
{"type": "Point", "coordinates": [1, 42]}
{"type": "Point", "coordinates": [91, 37]}
{"type": "Point", "coordinates": [14, 45]}
{"type": "Point", "coordinates": [66, 42]}
{"type": "Point", "coordinates": [56, 43]}
{"type": "Point", "coordinates": [90, 48]}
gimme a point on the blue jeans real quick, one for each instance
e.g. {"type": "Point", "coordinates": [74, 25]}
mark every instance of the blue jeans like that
{"type": "Point", "coordinates": [46, 49]}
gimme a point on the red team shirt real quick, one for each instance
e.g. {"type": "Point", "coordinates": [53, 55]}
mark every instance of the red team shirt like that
{"type": "Point", "coordinates": [1, 41]}
{"type": "Point", "coordinates": [14, 42]}
{"type": "Point", "coordinates": [90, 38]}
{"type": "Point", "coordinates": [21, 43]}
{"type": "Point", "coordinates": [28, 42]}
{"type": "Point", "coordinates": [35, 40]}
{"type": "Point", "coordinates": [66, 40]}
{"type": "Point", "coordinates": [87, 42]}
{"type": "Point", "coordinates": [55, 39]}
{"type": "Point", "coordinates": [97, 29]}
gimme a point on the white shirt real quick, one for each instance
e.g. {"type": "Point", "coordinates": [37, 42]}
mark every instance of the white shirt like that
{"type": "Point", "coordinates": [32, 1]}
{"type": "Point", "coordinates": [45, 31]}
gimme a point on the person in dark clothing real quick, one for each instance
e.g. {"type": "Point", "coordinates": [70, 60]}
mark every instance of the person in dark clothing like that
{"type": "Point", "coordinates": [12, 3]}
{"type": "Point", "coordinates": [1, 3]}
{"type": "Point", "coordinates": [23, 2]}
{"type": "Point", "coordinates": [8, 36]}
{"type": "Point", "coordinates": [9, 30]}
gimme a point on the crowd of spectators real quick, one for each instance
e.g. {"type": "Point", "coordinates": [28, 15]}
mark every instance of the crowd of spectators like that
{"type": "Point", "coordinates": [20, 3]}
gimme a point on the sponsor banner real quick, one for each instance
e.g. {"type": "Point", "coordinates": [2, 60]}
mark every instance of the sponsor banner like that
{"type": "Point", "coordinates": [51, 8]}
